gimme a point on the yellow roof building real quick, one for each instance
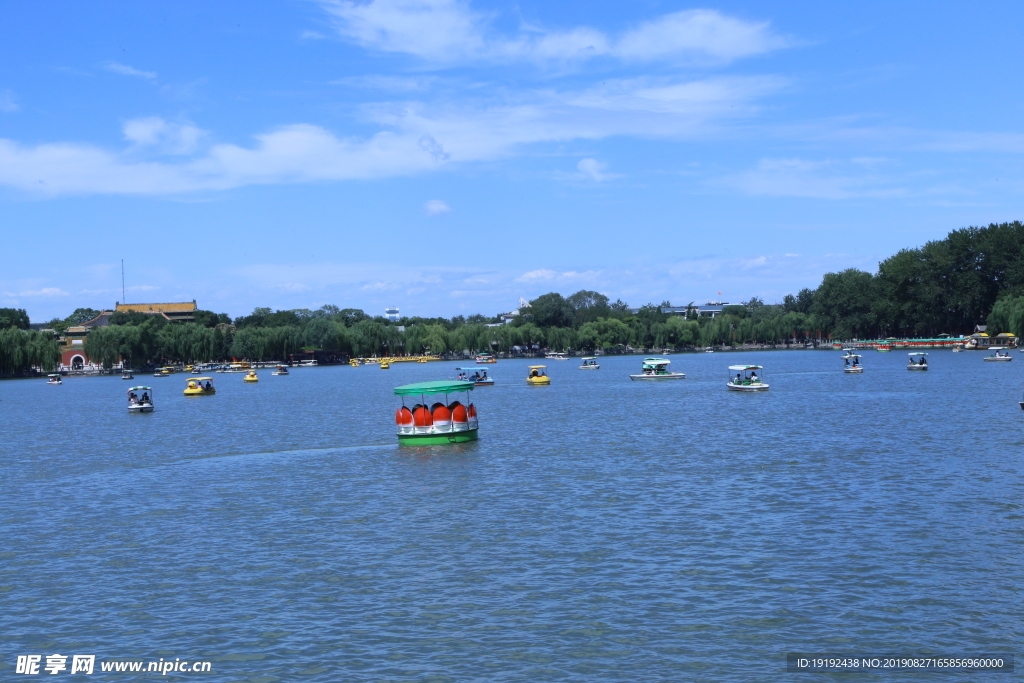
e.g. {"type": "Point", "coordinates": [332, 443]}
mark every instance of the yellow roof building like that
{"type": "Point", "coordinates": [172, 311]}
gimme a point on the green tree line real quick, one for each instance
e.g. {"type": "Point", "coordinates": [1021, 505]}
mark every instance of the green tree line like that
{"type": "Point", "coordinates": [973, 276]}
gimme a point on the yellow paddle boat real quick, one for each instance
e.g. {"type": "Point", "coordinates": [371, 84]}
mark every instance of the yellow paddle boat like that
{"type": "Point", "coordinates": [537, 376]}
{"type": "Point", "coordinates": [384, 365]}
{"type": "Point", "coordinates": [251, 377]}
{"type": "Point", "coordinates": [196, 387]}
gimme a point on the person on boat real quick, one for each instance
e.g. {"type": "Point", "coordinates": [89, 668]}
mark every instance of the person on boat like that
{"type": "Point", "coordinates": [739, 379]}
{"type": "Point", "coordinates": [208, 385]}
{"type": "Point", "coordinates": [145, 397]}
{"type": "Point", "coordinates": [753, 376]}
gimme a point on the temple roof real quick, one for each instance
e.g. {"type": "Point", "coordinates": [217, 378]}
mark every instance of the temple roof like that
{"type": "Point", "coordinates": [183, 307]}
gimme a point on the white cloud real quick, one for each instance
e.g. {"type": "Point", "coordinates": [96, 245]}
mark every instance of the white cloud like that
{"type": "Point", "coordinates": [436, 207]}
{"type": "Point", "coordinates": [534, 275]}
{"type": "Point", "coordinates": [698, 33]}
{"type": "Point", "coordinates": [448, 31]}
{"type": "Point", "coordinates": [8, 103]}
{"type": "Point", "coordinates": [126, 70]}
{"type": "Point", "coordinates": [167, 137]}
{"type": "Point", "coordinates": [44, 292]}
{"type": "Point", "coordinates": [813, 179]}
{"type": "Point", "coordinates": [593, 169]}
{"type": "Point", "coordinates": [413, 138]}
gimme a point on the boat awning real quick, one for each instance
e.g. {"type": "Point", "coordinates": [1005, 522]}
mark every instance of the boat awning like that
{"type": "Point", "coordinates": [656, 361]}
{"type": "Point", "coordinates": [138, 389]}
{"type": "Point", "coordinates": [200, 379]}
{"type": "Point", "coordinates": [588, 358]}
{"type": "Point", "coordinates": [431, 388]}
{"type": "Point", "coordinates": [537, 367]}
{"type": "Point", "coordinates": [744, 367]}
{"type": "Point", "coordinates": [917, 353]}
{"type": "Point", "coordinates": [53, 374]}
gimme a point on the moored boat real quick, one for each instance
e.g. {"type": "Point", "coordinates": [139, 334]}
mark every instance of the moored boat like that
{"type": "Point", "coordinates": [485, 357]}
{"type": "Point", "coordinates": [437, 423]}
{"type": "Point", "coordinates": [195, 386]}
{"type": "Point", "coordinates": [746, 378]}
{"type": "Point", "coordinates": [140, 404]}
{"type": "Point", "coordinates": [555, 355]}
{"type": "Point", "coordinates": [590, 363]}
{"type": "Point", "coordinates": [917, 361]}
{"type": "Point", "coordinates": [657, 368]}
{"type": "Point", "coordinates": [537, 376]}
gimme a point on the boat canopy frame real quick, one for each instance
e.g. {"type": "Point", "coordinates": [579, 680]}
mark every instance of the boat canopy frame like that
{"type": "Point", "coordinates": [450, 386]}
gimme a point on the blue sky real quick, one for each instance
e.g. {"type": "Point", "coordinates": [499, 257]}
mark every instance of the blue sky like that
{"type": "Point", "coordinates": [449, 157]}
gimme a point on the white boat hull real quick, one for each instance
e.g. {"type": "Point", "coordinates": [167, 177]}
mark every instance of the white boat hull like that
{"type": "Point", "coordinates": [917, 367]}
{"type": "Point", "coordinates": [143, 408]}
{"type": "Point", "coordinates": [671, 375]}
{"type": "Point", "coordinates": [747, 387]}
{"type": "Point", "coordinates": [853, 370]}
{"type": "Point", "coordinates": [1000, 359]}
{"type": "Point", "coordinates": [590, 367]}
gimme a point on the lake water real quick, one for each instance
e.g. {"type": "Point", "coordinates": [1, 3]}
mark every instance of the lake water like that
{"type": "Point", "coordinates": [599, 530]}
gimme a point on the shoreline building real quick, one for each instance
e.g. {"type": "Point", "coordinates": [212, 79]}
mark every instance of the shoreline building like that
{"type": "Point", "coordinates": [73, 356]}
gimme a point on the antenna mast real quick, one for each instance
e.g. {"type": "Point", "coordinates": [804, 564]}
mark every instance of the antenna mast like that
{"type": "Point", "coordinates": [122, 282]}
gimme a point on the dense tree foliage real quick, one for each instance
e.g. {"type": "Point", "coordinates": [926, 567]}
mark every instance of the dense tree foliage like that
{"type": "Point", "coordinates": [16, 317]}
{"type": "Point", "coordinates": [21, 350]}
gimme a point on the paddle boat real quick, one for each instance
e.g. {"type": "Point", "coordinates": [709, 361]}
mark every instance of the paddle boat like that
{"type": "Point", "coordinates": [883, 347]}
{"type": "Point", "coordinates": [195, 386]}
{"type": "Point", "coordinates": [251, 377]}
{"type": "Point", "coordinates": [384, 365]}
{"type": "Point", "coordinates": [140, 404]}
{"type": "Point", "coordinates": [555, 355]}
{"type": "Point", "coordinates": [999, 355]}
{"type": "Point", "coordinates": [354, 362]}
{"type": "Point", "coordinates": [852, 363]}
{"type": "Point", "coordinates": [54, 378]}
{"type": "Point", "coordinates": [422, 360]}
{"type": "Point", "coordinates": [438, 423]}
{"type": "Point", "coordinates": [590, 363]}
{"type": "Point", "coordinates": [485, 357]}
{"type": "Point", "coordinates": [657, 368]}
{"type": "Point", "coordinates": [127, 374]}
{"type": "Point", "coordinates": [746, 378]}
{"type": "Point", "coordinates": [917, 361]}
{"type": "Point", "coordinates": [537, 376]}
{"type": "Point", "coordinates": [164, 372]}
{"type": "Point", "coordinates": [280, 370]}
{"type": "Point", "coordinates": [477, 376]}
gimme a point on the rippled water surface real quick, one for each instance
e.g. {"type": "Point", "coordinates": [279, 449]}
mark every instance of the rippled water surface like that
{"type": "Point", "coordinates": [600, 529]}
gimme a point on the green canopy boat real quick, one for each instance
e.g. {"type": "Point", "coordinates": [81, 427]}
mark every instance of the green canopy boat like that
{"type": "Point", "coordinates": [429, 424]}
